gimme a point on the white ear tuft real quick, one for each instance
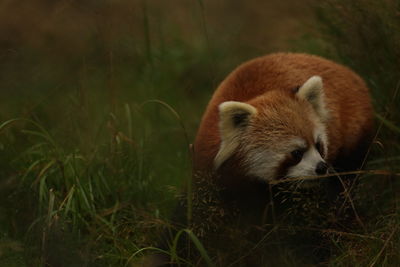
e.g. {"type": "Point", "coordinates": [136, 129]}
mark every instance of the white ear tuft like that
{"type": "Point", "coordinates": [312, 91]}
{"type": "Point", "coordinates": [233, 118]}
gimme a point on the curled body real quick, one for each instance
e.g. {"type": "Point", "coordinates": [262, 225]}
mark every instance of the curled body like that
{"type": "Point", "coordinates": [278, 116]}
{"type": "Point", "coordinates": [284, 115]}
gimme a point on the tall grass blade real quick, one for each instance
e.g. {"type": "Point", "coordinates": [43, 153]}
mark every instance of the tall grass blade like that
{"type": "Point", "coordinates": [129, 118]}
{"type": "Point", "coordinates": [141, 252]}
{"type": "Point", "coordinates": [51, 210]}
{"type": "Point", "coordinates": [179, 119]}
{"type": "Point", "coordinates": [147, 38]}
{"type": "Point", "coordinates": [390, 125]}
{"type": "Point", "coordinates": [7, 123]}
{"type": "Point", "coordinates": [68, 201]}
{"type": "Point", "coordinates": [43, 171]}
{"type": "Point", "coordinates": [196, 242]}
{"type": "Point", "coordinates": [31, 167]}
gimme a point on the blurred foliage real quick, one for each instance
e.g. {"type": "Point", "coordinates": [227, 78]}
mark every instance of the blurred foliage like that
{"type": "Point", "coordinates": [365, 35]}
{"type": "Point", "coordinates": [90, 168]}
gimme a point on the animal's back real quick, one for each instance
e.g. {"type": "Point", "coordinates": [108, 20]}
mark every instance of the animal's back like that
{"type": "Point", "coordinates": [346, 96]}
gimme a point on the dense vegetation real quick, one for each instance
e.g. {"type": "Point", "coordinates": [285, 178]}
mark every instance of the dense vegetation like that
{"type": "Point", "coordinates": [98, 113]}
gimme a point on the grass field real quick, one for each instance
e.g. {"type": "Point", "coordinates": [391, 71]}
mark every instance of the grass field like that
{"type": "Point", "coordinates": [101, 100]}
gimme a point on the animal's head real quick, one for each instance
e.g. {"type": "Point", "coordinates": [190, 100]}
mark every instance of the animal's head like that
{"type": "Point", "coordinates": [277, 135]}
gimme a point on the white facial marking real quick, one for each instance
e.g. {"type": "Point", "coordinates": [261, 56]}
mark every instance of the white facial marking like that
{"type": "Point", "coordinates": [321, 137]}
{"type": "Point", "coordinates": [263, 162]}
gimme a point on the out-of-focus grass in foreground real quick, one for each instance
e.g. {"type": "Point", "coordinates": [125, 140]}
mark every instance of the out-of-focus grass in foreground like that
{"type": "Point", "coordinates": [101, 101]}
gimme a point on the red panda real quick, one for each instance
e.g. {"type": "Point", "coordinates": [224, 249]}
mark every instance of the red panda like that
{"type": "Point", "coordinates": [283, 115]}
{"type": "Point", "coordinates": [278, 116]}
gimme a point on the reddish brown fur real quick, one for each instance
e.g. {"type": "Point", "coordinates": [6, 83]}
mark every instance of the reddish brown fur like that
{"type": "Point", "coordinates": [259, 80]}
{"type": "Point", "coordinates": [290, 115]}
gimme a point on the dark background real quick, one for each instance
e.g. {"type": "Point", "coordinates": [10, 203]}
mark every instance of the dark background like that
{"type": "Point", "coordinates": [101, 99]}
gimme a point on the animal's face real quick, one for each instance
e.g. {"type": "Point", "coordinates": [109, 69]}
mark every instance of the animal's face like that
{"type": "Point", "coordinates": [277, 135]}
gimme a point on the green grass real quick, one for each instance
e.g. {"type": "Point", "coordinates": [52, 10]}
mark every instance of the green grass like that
{"type": "Point", "coordinates": [96, 123]}
{"type": "Point", "coordinates": [365, 36]}
{"type": "Point", "coordinates": [95, 144]}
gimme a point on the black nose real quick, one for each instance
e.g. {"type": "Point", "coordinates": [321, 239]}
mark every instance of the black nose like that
{"type": "Point", "coordinates": [321, 167]}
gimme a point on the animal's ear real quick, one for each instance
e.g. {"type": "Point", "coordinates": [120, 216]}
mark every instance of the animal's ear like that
{"type": "Point", "coordinates": [233, 119]}
{"type": "Point", "coordinates": [312, 91]}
